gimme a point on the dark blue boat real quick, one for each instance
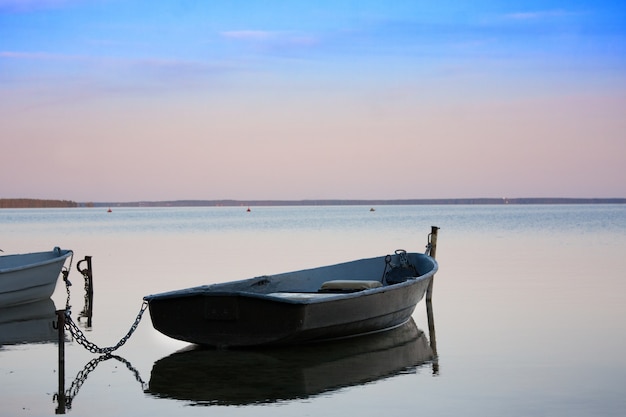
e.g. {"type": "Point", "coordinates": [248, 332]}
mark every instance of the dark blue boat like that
{"type": "Point", "coordinates": [329, 302]}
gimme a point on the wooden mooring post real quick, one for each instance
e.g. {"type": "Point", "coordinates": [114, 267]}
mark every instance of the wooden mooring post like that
{"type": "Point", "coordinates": [61, 400]}
{"type": "Point", "coordinates": [432, 243]}
{"type": "Point", "coordinates": [432, 240]}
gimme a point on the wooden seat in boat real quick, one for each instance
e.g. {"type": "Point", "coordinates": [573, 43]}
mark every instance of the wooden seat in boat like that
{"type": "Point", "coordinates": [349, 285]}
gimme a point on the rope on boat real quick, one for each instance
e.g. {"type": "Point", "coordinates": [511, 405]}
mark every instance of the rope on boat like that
{"type": "Point", "coordinates": [80, 338]}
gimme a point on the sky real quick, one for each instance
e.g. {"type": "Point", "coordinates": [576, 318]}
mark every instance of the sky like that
{"type": "Point", "coordinates": [134, 100]}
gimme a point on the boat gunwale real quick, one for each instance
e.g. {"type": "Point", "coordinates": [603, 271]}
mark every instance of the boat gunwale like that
{"type": "Point", "coordinates": [206, 290]}
{"type": "Point", "coordinates": [58, 254]}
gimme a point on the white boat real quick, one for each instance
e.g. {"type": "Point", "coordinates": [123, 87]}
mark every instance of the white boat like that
{"type": "Point", "coordinates": [30, 277]}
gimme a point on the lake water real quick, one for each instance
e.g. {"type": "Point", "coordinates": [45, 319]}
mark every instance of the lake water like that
{"type": "Point", "coordinates": [529, 308]}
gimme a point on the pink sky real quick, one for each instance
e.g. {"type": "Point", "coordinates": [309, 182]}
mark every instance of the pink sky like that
{"type": "Point", "coordinates": [317, 147]}
{"type": "Point", "coordinates": [254, 123]}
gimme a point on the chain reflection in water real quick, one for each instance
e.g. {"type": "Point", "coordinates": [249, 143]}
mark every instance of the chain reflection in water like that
{"type": "Point", "coordinates": [81, 377]}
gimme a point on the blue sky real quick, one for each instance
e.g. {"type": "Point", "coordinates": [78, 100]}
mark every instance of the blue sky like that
{"type": "Point", "coordinates": [297, 97]}
{"type": "Point", "coordinates": [208, 39]}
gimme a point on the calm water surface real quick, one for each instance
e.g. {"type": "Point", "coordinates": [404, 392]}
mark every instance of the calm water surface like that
{"type": "Point", "coordinates": [529, 306]}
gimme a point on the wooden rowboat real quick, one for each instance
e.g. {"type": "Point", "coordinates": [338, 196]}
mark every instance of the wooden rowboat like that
{"type": "Point", "coordinates": [29, 277]}
{"type": "Point", "coordinates": [329, 302]}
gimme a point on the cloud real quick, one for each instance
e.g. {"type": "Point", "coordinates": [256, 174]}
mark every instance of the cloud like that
{"type": "Point", "coordinates": [142, 62]}
{"type": "Point", "coordinates": [271, 38]}
{"type": "Point", "coordinates": [41, 56]}
{"type": "Point", "coordinates": [106, 74]}
{"type": "Point", "coordinates": [32, 5]}
{"type": "Point", "coordinates": [249, 35]}
{"type": "Point", "coordinates": [537, 15]}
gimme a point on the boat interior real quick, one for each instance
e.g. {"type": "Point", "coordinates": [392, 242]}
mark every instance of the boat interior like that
{"type": "Point", "coordinates": [349, 277]}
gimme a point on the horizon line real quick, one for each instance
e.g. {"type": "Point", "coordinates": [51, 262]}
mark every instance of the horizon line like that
{"type": "Point", "coordinates": [51, 203]}
{"type": "Point", "coordinates": [406, 201]}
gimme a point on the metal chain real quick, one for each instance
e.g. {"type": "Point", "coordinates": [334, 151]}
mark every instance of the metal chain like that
{"type": "Point", "coordinates": [404, 261]}
{"type": "Point", "coordinates": [68, 284]}
{"type": "Point", "coordinates": [132, 369]}
{"type": "Point", "coordinates": [66, 272]}
{"type": "Point", "coordinates": [429, 244]}
{"type": "Point", "coordinates": [80, 338]}
{"type": "Point", "coordinates": [86, 296]}
{"type": "Point", "coordinates": [81, 377]}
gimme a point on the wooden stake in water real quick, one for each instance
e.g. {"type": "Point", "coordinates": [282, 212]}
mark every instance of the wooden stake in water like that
{"type": "Point", "coordinates": [61, 332]}
{"type": "Point", "coordinates": [429, 302]}
{"type": "Point", "coordinates": [432, 252]}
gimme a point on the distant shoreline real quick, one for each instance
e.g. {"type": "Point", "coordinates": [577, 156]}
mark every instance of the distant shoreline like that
{"type": "Point", "coordinates": [37, 203]}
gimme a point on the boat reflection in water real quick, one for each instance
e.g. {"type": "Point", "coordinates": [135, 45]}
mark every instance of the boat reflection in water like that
{"type": "Point", "coordinates": [207, 376]}
{"type": "Point", "coordinates": [28, 323]}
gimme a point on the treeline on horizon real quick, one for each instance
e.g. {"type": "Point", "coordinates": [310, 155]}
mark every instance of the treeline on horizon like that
{"type": "Point", "coordinates": [36, 203]}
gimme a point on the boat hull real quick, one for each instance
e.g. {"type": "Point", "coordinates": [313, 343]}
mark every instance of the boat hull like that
{"type": "Point", "coordinates": [224, 316]}
{"type": "Point", "coordinates": [26, 278]}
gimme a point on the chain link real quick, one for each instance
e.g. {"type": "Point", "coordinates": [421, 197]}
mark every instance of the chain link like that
{"type": "Point", "coordinates": [88, 299]}
{"type": "Point", "coordinates": [68, 284]}
{"type": "Point", "coordinates": [90, 366]}
{"type": "Point", "coordinates": [402, 257]}
{"type": "Point", "coordinates": [75, 331]}
{"type": "Point", "coordinates": [80, 338]}
{"type": "Point", "coordinates": [66, 273]}
{"type": "Point", "coordinates": [429, 244]}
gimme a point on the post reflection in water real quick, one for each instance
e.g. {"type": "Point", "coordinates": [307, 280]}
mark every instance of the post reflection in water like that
{"type": "Point", "coordinates": [206, 376]}
{"type": "Point", "coordinates": [431, 333]}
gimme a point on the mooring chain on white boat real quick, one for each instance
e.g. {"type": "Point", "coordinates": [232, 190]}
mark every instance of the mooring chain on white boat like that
{"type": "Point", "coordinates": [65, 271]}
{"type": "Point", "coordinates": [68, 284]}
{"type": "Point", "coordinates": [80, 338]}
